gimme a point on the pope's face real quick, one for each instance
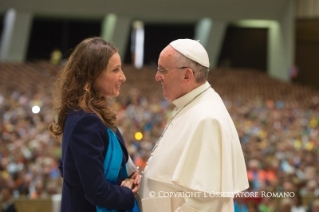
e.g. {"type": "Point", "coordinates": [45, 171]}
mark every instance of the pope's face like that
{"type": "Point", "coordinates": [171, 77]}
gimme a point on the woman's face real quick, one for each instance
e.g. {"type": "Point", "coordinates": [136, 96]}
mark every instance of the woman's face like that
{"type": "Point", "coordinates": [109, 82]}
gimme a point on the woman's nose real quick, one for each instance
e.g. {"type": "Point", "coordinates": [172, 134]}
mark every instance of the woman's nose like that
{"type": "Point", "coordinates": [122, 77]}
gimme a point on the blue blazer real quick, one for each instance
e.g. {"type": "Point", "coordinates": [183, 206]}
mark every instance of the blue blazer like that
{"type": "Point", "coordinates": [84, 145]}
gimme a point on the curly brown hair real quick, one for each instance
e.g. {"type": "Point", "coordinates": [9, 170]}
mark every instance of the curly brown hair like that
{"type": "Point", "coordinates": [74, 88]}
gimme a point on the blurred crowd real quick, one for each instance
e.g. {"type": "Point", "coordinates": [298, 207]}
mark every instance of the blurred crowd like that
{"type": "Point", "coordinates": [28, 154]}
{"type": "Point", "coordinates": [277, 122]}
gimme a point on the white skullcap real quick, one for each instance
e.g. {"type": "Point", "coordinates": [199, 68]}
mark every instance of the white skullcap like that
{"type": "Point", "coordinates": [191, 49]}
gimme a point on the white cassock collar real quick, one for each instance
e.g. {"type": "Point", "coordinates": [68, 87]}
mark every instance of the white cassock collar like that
{"type": "Point", "coordinates": [183, 100]}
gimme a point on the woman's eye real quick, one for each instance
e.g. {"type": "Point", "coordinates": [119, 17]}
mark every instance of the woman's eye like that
{"type": "Point", "coordinates": [116, 70]}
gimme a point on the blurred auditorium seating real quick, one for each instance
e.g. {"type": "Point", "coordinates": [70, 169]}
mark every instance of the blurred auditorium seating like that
{"type": "Point", "coordinates": [277, 122]}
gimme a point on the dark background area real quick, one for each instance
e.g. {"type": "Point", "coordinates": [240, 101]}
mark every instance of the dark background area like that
{"type": "Point", "coordinates": [244, 48]}
{"type": "Point", "coordinates": [307, 52]}
{"type": "Point", "coordinates": [1, 24]}
{"type": "Point", "coordinates": [65, 34]}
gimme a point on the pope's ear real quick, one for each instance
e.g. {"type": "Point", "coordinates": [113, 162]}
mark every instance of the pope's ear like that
{"type": "Point", "coordinates": [189, 74]}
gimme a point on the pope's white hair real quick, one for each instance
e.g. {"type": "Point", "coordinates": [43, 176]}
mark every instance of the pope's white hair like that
{"type": "Point", "coordinates": [201, 72]}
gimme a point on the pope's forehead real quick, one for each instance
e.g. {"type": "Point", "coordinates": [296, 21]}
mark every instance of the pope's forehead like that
{"type": "Point", "coordinates": [168, 51]}
{"type": "Point", "coordinates": [167, 54]}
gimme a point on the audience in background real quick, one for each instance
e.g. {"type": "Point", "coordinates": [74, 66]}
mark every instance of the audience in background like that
{"type": "Point", "coordinates": [278, 125]}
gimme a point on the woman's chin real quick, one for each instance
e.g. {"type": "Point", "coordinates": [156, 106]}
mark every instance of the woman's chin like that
{"type": "Point", "coordinates": [116, 94]}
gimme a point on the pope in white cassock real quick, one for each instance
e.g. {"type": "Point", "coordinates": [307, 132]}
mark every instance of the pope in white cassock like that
{"type": "Point", "coordinates": [199, 153]}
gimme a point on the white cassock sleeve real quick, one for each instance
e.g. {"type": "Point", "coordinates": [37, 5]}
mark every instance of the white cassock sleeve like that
{"type": "Point", "coordinates": [130, 167]}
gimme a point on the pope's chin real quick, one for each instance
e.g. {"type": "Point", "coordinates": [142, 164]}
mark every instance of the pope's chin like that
{"type": "Point", "coordinates": [166, 96]}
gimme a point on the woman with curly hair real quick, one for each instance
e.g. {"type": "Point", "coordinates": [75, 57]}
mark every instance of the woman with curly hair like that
{"type": "Point", "coordinates": [95, 161]}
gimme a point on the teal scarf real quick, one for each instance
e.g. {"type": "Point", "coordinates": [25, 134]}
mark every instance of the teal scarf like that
{"type": "Point", "coordinates": [112, 166]}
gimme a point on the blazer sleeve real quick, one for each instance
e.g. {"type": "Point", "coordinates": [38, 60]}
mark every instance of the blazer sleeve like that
{"type": "Point", "coordinates": [61, 168]}
{"type": "Point", "coordinates": [87, 144]}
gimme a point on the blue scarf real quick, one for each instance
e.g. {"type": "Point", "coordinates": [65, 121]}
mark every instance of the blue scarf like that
{"type": "Point", "coordinates": [112, 166]}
